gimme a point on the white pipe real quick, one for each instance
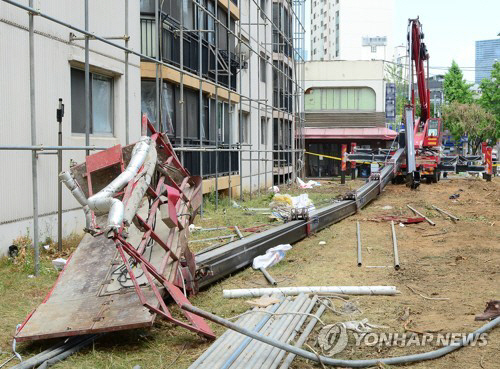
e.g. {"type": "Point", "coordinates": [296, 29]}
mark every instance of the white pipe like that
{"type": "Point", "coordinates": [293, 291]}
{"type": "Point", "coordinates": [103, 201]}
{"type": "Point", "coordinates": [78, 194]}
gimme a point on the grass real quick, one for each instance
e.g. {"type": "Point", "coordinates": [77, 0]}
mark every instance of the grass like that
{"type": "Point", "coordinates": [226, 215]}
{"type": "Point", "coordinates": [20, 291]}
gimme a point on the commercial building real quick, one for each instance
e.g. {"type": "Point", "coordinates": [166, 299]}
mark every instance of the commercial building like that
{"type": "Point", "coordinates": [487, 53]}
{"type": "Point", "coordinates": [351, 29]}
{"type": "Point", "coordinates": [344, 103]}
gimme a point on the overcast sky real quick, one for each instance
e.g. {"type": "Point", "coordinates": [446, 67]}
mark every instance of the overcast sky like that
{"type": "Point", "coordinates": [451, 28]}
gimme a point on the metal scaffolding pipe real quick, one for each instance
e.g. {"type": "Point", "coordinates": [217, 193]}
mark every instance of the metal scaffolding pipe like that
{"type": "Point", "coordinates": [87, 79]}
{"type": "Point", "coordinates": [421, 215]}
{"type": "Point", "coordinates": [446, 213]}
{"type": "Point", "coordinates": [339, 362]}
{"type": "Point", "coordinates": [57, 148]}
{"type": "Point", "coordinates": [292, 291]}
{"type": "Point", "coordinates": [268, 276]}
{"type": "Point", "coordinates": [358, 234]}
{"type": "Point", "coordinates": [34, 169]}
{"type": "Point", "coordinates": [127, 123]}
{"type": "Point", "coordinates": [395, 246]}
{"type": "Point", "coordinates": [303, 337]}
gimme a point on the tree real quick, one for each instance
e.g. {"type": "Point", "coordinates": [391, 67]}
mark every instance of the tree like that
{"type": "Point", "coordinates": [455, 87]}
{"type": "Point", "coordinates": [473, 121]}
{"type": "Point", "coordinates": [490, 93]}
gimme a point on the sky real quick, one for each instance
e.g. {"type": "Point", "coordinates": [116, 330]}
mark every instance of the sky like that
{"type": "Point", "coordinates": [451, 28]}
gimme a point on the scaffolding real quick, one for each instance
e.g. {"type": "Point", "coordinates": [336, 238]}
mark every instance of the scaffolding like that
{"type": "Point", "coordinates": [280, 50]}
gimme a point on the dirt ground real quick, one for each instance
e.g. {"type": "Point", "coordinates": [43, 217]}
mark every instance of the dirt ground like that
{"type": "Point", "coordinates": [457, 261]}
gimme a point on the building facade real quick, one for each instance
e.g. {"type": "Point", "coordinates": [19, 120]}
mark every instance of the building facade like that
{"type": "Point", "coordinates": [344, 103]}
{"type": "Point", "coordinates": [220, 77]}
{"type": "Point", "coordinates": [487, 53]}
{"type": "Point", "coordinates": [231, 82]}
{"type": "Point", "coordinates": [59, 61]}
{"type": "Point", "coordinates": [351, 29]}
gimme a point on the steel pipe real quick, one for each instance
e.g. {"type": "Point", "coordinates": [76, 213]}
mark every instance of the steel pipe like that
{"type": "Point", "coordinates": [395, 246]}
{"type": "Point", "coordinates": [339, 362]}
{"type": "Point", "coordinates": [234, 356]}
{"type": "Point", "coordinates": [57, 148]}
{"type": "Point", "coordinates": [358, 234]}
{"type": "Point", "coordinates": [446, 213]}
{"type": "Point", "coordinates": [292, 291]}
{"type": "Point", "coordinates": [422, 215]}
{"type": "Point", "coordinates": [303, 337]}
{"type": "Point", "coordinates": [268, 276]}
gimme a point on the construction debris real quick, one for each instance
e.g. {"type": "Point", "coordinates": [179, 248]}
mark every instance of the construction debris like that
{"type": "Point", "coordinates": [135, 260]}
{"type": "Point", "coordinates": [281, 321]}
{"type": "Point", "coordinates": [395, 247]}
{"type": "Point", "coordinates": [268, 276]}
{"type": "Point", "coordinates": [397, 219]}
{"type": "Point", "coordinates": [340, 362]}
{"type": "Point", "coordinates": [264, 301]}
{"type": "Point", "coordinates": [288, 207]}
{"type": "Point", "coordinates": [271, 257]}
{"type": "Point", "coordinates": [321, 290]}
{"type": "Point", "coordinates": [423, 216]}
{"type": "Point", "coordinates": [358, 235]}
{"type": "Point", "coordinates": [452, 217]}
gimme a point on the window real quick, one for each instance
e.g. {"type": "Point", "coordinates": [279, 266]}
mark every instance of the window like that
{"type": "Point", "coordinates": [244, 128]}
{"type": "Point", "coordinates": [263, 8]}
{"type": "Point", "coordinates": [263, 69]}
{"type": "Point", "coordinates": [263, 131]}
{"type": "Point", "coordinates": [101, 103]}
{"type": "Point", "coordinates": [148, 105]}
{"type": "Point", "coordinates": [340, 99]}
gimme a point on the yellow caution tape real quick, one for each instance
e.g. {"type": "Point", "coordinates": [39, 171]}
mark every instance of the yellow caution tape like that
{"type": "Point", "coordinates": [340, 159]}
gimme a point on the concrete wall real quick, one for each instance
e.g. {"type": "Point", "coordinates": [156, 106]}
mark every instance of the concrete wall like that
{"type": "Point", "coordinates": [340, 73]}
{"type": "Point", "coordinates": [54, 55]}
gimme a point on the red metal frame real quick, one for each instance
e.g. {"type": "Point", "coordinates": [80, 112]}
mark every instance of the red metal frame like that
{"type": "Point", "coordinates": [174, 192]}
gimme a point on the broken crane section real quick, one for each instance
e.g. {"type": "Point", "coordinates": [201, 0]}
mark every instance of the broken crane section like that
{"type": "Point", "coordinates": [138, 202]}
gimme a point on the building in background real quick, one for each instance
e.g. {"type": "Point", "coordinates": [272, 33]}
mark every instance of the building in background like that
{"type": "Point", "coordinates": [59, 61]}
{"type": "Point", "coordinates": [351, 29]}
{"type": "Point", "coordinates": [344, 103]}
{"type": "Point", "coordinates": [487, 53]}
{"type": "Point", "coordinates": [437, 94]}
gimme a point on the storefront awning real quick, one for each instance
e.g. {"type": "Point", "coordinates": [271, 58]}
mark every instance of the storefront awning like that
{"type": "Point", "coordinates": [372, 133]}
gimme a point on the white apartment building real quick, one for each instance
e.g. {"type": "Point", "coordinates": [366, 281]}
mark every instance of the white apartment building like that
{"type": "Point", "coordinates": [58, 64]}
{"type": "Point", "coordinates": [351, 29]}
